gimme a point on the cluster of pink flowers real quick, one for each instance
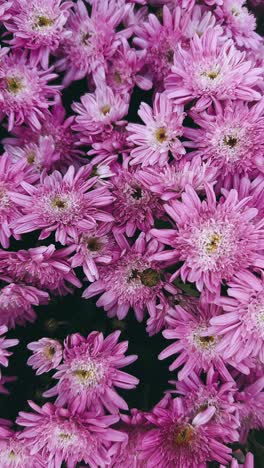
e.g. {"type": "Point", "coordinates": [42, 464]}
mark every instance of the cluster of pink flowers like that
{"type": "Point", "coordinates": [154, 208]}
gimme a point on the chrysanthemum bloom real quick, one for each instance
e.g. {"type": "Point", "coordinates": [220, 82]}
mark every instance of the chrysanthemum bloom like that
{"type": "Point", "coordinates": [16, 303]}
{"type": "Point", "coordinates": [159, 137]}
{"type": "Point", "coordinates": [250, 401]}
{"type": "Point", "coordinates": [199, 20]}
{"type": "Point", "coordinates": [211, 71]}
{"type": "Point", "coordinates": [170, 181]}
{"type": "Point", "coordinates": [43, 267]}
{"type": "Point", "coordinates": [11, 176]}
{"type": "Point", "coordinates": [214, 240]}
{"type": "Point", "coordinates": [180, 441]}
{"type": "Point", "coordinates": [53, 146]}
{"type": "Point", "coordinates": [90, 372]}
{"type": "Point", "coordinates": [93, 39]}
{"type": "Point", "coordinates": [39, 27]}
{"type": "Point", "coordinates": [133, 281]}
{"type": "Point", "coordinates": [15, 454]}
{"type": "Point", "coordinates": [65, 204]}
{"type": "Point", "coordinates": [5, 7]}
{"type": "Point", "coordinates": [159, 43]}
{"type": "Point", "coordinates": [124, 70]}
{"type": "Point", "coordinates": [195, 346]}
{"type": "Point", "coordinates": [47, 355]}
{"type": "Point", "coordinates": [59, 436]}
{"type": "Point", "coordinates": [129, 453]}
{"type": "Point", "coordinates": [199, 396]}
{"type": "Point", "coordinates": [24, 92]}
{"type": "Point", "coordinates": [239, 23]}
{"type": "Point", "coordinates": [241, 327]}
{"type": "Point", "coordinates": [4, 345]}
{"type": "Point", "coordinates": [98, 111]}
{"type": "Point", "coordinates": [135, 206]}
{"type": "Point", "coordinates": [97, 248]}
{"type": "Point", "coordinates": [231, 137]}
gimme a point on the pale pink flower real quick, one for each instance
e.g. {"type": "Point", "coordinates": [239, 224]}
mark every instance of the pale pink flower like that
{"type": "Point", "coordinates": [5, 7]}
{"type": "Point", "coordinates": [4, 345]}
{"type": "Point", "coordinates": [14, 453]}
{"type": "Point", "coordinates": [250, 402]}
{"type": "Point", "coordinates": [90, 372]}
{"type": "Point", "coordinates": [47, 355]}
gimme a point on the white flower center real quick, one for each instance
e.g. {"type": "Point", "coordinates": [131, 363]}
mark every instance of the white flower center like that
{"type": "Point", "coordinates": [88, 373]}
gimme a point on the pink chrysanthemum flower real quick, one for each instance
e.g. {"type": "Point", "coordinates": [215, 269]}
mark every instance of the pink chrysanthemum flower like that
{"type": "Point", "coordinates": [170, 181]}
{"type": "Point", "coordinates": [5, 12]}
{"type": "Point", "coordinates": [65, 204]}
{"type": "Point", "coordinates": [43, 267]}
{"type": "Point", "coordinates": [58, 436]}
{"type": "Point", "coordinates": [129, 453]}
{"type": "Point", "coordinates": [195, 346]}
{"type": "Point", "coordinates": [47, 355]}
{"type": "Point", "coordinates": [15, 454]}
{"type": "Point", "coordinates": [93, 39]}
{"type": "Point", "coordinates": [125, 70]}
{"type": "Point", "coordinates": [231, 137]}
{"type": "Point", "coordinates": [16, 303]}
{"type": "Point", "coordinates": [180, 441]}
{"type": "Point", "coordinates": [159, 42]}
{"type": "Point", "coordinates": [54, 145]}
{"type": "Point", "coordinates": [39, 27]}
{"type": "Point", "coordinates": [24, 92]}
{"type": "Point", "coordinates": [4, 345]}
{"type": "Point", "coordinates": [97, 248]}
{"type": "Point", "coordinates": [239, 23]}
{"type": "Point", "coordinates": [98, 111]}
{"type": "Point", "coordinates": [214, 240]}
{"type": "Point", "coordinates": [200, 396]}
{"type": "Point", "coordinates": [90, 372]}
{"type": "Point", "coordinates": [133, 281]}
{"type": "Point", "coordinates": [250, 401]}
{"type": "Point", "coordinates": [241, 327]}
{"type": "Point", "coordinates": [159, 137]}
{"type": "Point", "coordinates": [135, 206]}
{"type": "Point", "coordinates": [199, 20]}
{"type": "Point", "coordinates": [211, 71]}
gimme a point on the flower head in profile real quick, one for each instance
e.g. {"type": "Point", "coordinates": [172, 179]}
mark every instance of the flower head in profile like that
{"type": "Point", "coordinates": [14, 453]}
{"type": "Point", "coordinates": [241, 326]}
{"type": "Point", "coordinates": [209, 71]}
{"type": "Point", "coordinates": [39, 27]}
{"type": "Point", "coordinates": [59, 436]}
{"type": "Point", "coordinates": [66, 204]}
{"type": "Point", "coordinates": [4, 345]}
{"type": "Point", "coordinates": [25, 95]}
{"type": "Point", "coordinates": [132, 281]}
{"type": "Point", "coordinates": [231, 137]}
{"type": "Point", "coordinates": [16, 304]}
{"type": "Point", "coordinates": [47, 355]}
{"type": "Point", "coordinates": [92, 39]}
{"type": "Point", "coordinates": [214, 240]}
{"type": "Point", "coordinates": [43, 267]}
{"type": "Point", "coordinates": [90, 372]}
{"type": "Point", "coordinates": [159, 137]}
{"type": "Point", "coordinates": [179, 440]}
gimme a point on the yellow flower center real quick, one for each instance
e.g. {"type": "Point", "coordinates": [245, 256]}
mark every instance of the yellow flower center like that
{"type": "Point", "coordinates": [93, 244]}
{"type": "Point", "coordinates": [57, 202]}
{"type": "Point", "coordinates": [150, 278]}
{"type": "Point", "coordinates": [31, 157]}
{"type": "Point", "coordinates": [105, 109]}
{"type": "Point", "coordinates": [230, 141]}
{"type": "Point", "coordinates": [213, 243]}
{"type": "Point", "coordinates": [43, 22]}
{"type": "Point", "coordinates": [14, 85]}
{"type": "Point", "coordinates": [161, 134]}
{"type": "Point", "coordinates": [211, 74]}
{"type": "Point", "coordinates": [117, 77]}
{"type": "Point", "coordinates": [49, 352]}
{"type": "Point", "coordinates": [206, 341]}
{"type": "Point", "coordinates": [183, 435]}
{"type": "Point", "coordinates": [83, 374]}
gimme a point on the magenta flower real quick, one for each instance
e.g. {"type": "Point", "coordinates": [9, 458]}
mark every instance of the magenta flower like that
{"type": "Point", "coordinates": [14, 453]}
{"type": "Point", "coordinates": [180, 441]}
{"type": "Point", "coordinates": [135, 207]}
{"type": "Point", "coordinates": [214, 240]}
{"type": "Point", "coordinates": [90, 372]}
{"type": "Point", "coordinates": [159, 136]}
{"type": "Point", "coordinates": [250, 401]}
{"type": "Point", "coordinates": [24, 92]}
{"type": "Point", "coordinates": [39, 27]}
{"type": "Point", "coordinates": [210, 71]}
{"type": "Point", "coordinates": [65, 204]}
{"type": "Point", "coordinates": [241, 327]}
{"type": "Point", "coordinates": [59, 436]}
{"type": "Point", "coordinates": [5, 8]}
{"type": "Point", "coordinates": [42, 267]}
{"type": "Point", "coordinates": [16, 303]}
{"type": "Point", "coordinates": [47, 355]}
{"type": "Point", "coordinates": [133, 281]}
{"type": "Point", "coordinates": [92, 40]}
{"type": "Point", "coordinates": [4, 345]}
{"type": "Point", "coordinates": [195, 346]}
{"type": "Point", "coordinates": [231, 137]}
